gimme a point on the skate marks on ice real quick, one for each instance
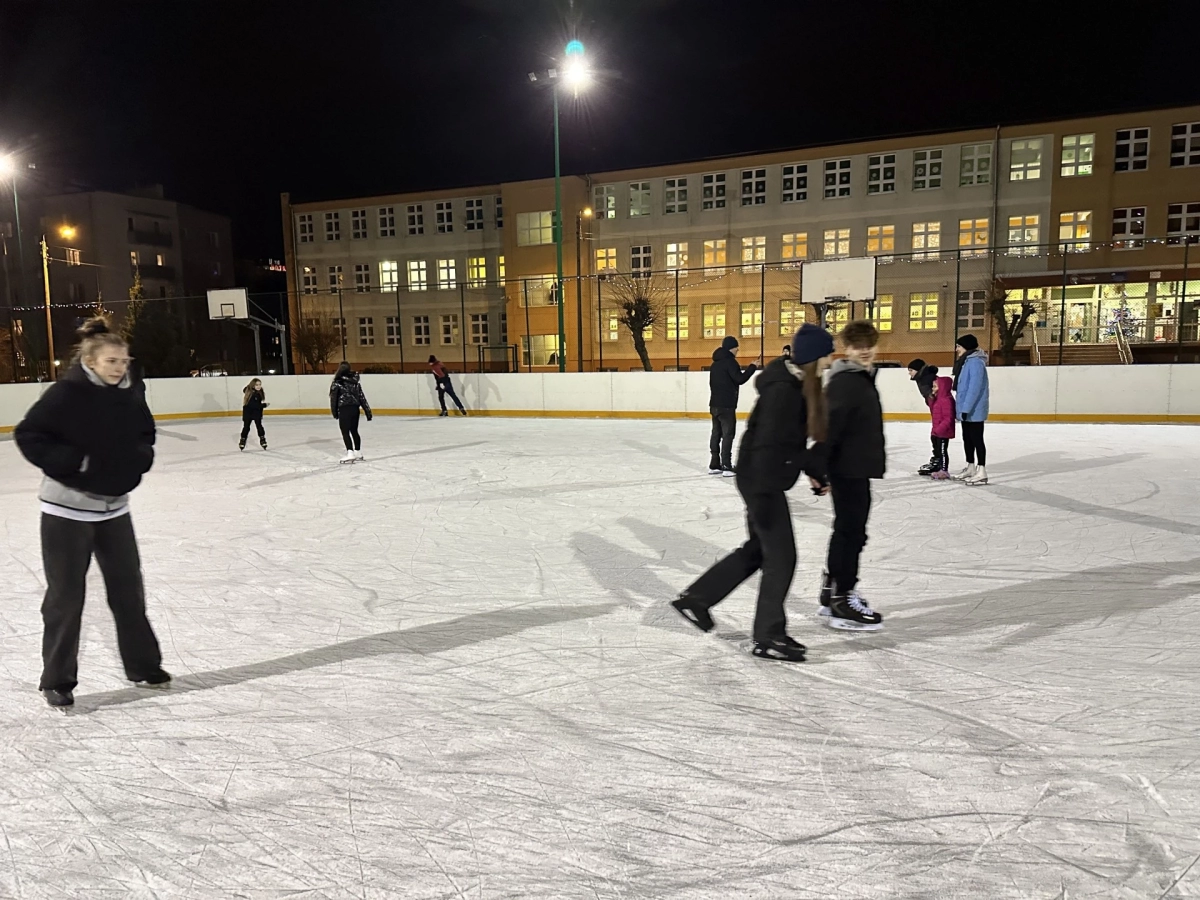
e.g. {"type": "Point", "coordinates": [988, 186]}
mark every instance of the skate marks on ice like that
{"type": "Point", "coordinates": [1083, 508]}
{"type": "Point", "coordinates": [325, 467]}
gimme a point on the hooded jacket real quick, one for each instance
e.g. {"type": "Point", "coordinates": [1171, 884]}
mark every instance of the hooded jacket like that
{"type": "Point", "coordinates": [345, 392]}
{"type": "Point", "coordinates": [973, 391]}
{"type": "Point", "coordinates": [774, 449]}
{"type": "Point", "coordinates": [856, 443]}
{"type": "Point", "coordinates": [941, 409]}
{"type": "Point", "coordinates": [925, 379]}
{"type": "Point", "coordinates": [725, 378]}
{"type": "Point", "coordinates": [254, 404]}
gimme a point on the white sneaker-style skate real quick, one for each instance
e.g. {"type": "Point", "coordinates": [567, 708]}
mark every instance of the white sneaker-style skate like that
{"type": "Point", "coordinates": [348, 458]}
{"type": "Point", "coordinates": [980, 476]}
{"type": "Point", "coordinates": [968, 472]}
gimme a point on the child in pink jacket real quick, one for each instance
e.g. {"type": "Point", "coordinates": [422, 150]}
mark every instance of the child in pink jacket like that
{"type": "Point", "coordinates": [941, 410]}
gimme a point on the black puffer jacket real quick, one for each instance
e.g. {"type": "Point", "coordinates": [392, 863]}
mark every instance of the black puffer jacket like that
{"type": "Point", "coordinates": [255, 404]}
{"type": "Point", "coordinates": [774, 449]}
{"type": "Point", "coordinates": [724, 379]}
{"type": "Point", "coordinates": [856, 444]}
{"type": "Point", "coordinates": [346, 391]}
{"type": "Point", "coordinates": [925, 379]}
{"type": "Point", "coordinates": [77, 419]}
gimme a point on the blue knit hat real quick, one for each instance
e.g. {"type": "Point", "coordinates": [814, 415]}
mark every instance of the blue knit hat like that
{"type": "Point", "coordinates": [810, 344]}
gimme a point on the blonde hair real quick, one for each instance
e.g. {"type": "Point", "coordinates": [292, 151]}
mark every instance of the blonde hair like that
{"type": "Point", "coordinates": [94, 335]}
{"type": "Point", "coordinates": [249, 389]}
{"type": "Point", "coordinates": [814, 398]}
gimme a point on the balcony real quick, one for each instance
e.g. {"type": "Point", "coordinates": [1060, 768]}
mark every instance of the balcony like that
{"type": "Point", "coordinates": [151, 238]}
{"type": "Point", "coordinates": [161, 273]}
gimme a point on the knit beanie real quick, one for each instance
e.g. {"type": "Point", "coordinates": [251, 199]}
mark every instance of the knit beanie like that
{"type": "Point", "coordinates": [968, 342]}
{"type": "Point", "coordinates": [730, 342]}
{"type": "Point", "coordinates": [810, 344]}
{"type": "Point", "coordinates": [917, 364]}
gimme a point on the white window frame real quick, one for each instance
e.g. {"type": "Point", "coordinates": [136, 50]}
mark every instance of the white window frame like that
{"type": "Point", "coordinates": [677, 326]}
{"type": "Point", "coordinates": [304, 227]}
{"type": "Point", "coordinates": [1024, 235]}
{"type": "Point", "coordinates": [750, 318]}
{"type": "Point", "coordinates": [1075, 231]}
{"type": "Point", "coordinates": [675, 196]}
{"type": "Point", "coordinates": [793, 248]}
{"type": "Point", "coordinates": [793, 183]}
{"type": "Point", "coordinates": [1129, 228]}
{"type": "Point", "coordinates": [715, 258]}
{"type": "Point", "coordinates": [418, 275]}
{"type": "Point", "coordinates": [416, 218]}
{"type": "Point", "coordinates": [926, 240]}
{"type": "Point", "coordinates": [719, 314]}
{"type": "Point", "coordinates": [973, 237]}
{"type": "Point", "coordinates": [333, 226]}
{"type": "Point", "coordinates": [754, 187]}
{"type": "Point", "coordinates": [639, 199]}
{"type": "Point", "coordinates": [358, 224]}
{"type": "Point", "coordinates": [443, 212]}
{"type": "Point", "coordinates": [837, 243]}
{"type": "Point", "coordinates": [392, 336]}
{"type": "Point", "coordinates": [535, 229]}
{"type": "Point", "coordinates": [309, 279]}
{"type": "Point", "coordinates": [1136, 144]}
{"type": "Point", "coordinates": [927, 300]}
{"type": "Point", "coordinates": [605, 259]}
{"type": "Point", "coordinates": [476, 271]}
{"type": "Point", "coordinates": [1078, 155]}
{"type": "Point", "coordinates": [362, 278]}
{"type": "Point", "coordinates": [389, 276]}
{"type": "Point", "coordinates": [421, 334]}
{"type": "Point", "coordinates": [333, 275]}
{"type": "Point", "coordinates": [677, 256]}
{"type": "Point", "coordinates": [1029, 166]}
{"type": "Point", "coordinates": [928, 169]}
{"type": "Point", "coordinates": [972, 310]}
{"type": "Point", "coordinates": [881, 242]}
{"type": "Point", "coordinates": [975, 164]}
{"type": "Point", "coordinates": [712, 190]}
{"type": "Point", "coordinates": [754, 253]}
{"type": "Point", "coordinates": [791, 317]}
{"type": "Point", "coordinates": [881, 173]}
{"type": "Point", "coordinates": [473, 214]}
{"type": "Point", "coordinates": [604, 201]}
{"type": "Point", "coordinates": [838, 173]}
{"type": "Point", "coordinates": [449, 329]}
{"type": "Point", "coordinates": [1183, 223]}
{"type": "Point", "coordinates": [883, 303]}
{"type": "Point", "coordinates": [447, 274]}
{"type": "Point", "coordinates": [1185, 145]}
{"type": "Point", "coordinates": [387, 221]}
{"type": "Point", "coordinates": [480, 330]}
{"type": "Point", "coordinates": [641, 260]}
{"type": "Point", "coordinates": [366, 331]}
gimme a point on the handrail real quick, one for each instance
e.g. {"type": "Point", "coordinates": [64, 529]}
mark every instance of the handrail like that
{"type": "Point", "coordinates": [1123, 348]}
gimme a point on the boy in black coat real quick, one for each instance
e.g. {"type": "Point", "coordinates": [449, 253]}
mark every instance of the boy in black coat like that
{"type": "Point", "coordinates": [725, 377]}
{"type": "Point", "coordinates": [856, 455]}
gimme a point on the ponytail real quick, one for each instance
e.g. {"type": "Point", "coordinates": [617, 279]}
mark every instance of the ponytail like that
{"type": "Point", "coordinates": [814, 398]}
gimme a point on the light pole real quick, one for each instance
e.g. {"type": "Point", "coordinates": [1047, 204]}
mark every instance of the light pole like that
{"type": "Point", "coordinates": [585, 213]}
{"type": "Point", "coordinates": [8, 169]}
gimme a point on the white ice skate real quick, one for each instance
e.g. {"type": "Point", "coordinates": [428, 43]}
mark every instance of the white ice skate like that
{"type": "Point", "coordinates": [358, 454]}
{"type": "Point", "coordinates": [968, 472]}
{"type": "Point", "coordinates": [979, 477]}
{"type": "Point", "coordinates": [348, 458]}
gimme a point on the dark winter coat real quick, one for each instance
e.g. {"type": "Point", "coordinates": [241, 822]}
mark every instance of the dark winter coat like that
{"type": "Point", "coordinates": [855, 441]}
{"type": "Point", "coordinates": [440, 373]}
{"type": "Point", "coordinates": [925, 379]}
{"type": "Point", "coordinates": [346, 392]}
{"type": "Point", "coordinates": [774, 449]}
{"type": "Point", "coordinates": [724, 379]}
{"type": "Point", "coordinates": [77, 420]}
{"type": "Point", "coordinates": [253, 407]}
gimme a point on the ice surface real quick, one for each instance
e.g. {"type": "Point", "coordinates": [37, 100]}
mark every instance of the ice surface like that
{"type": "Point", "coordinates": [448, 672]}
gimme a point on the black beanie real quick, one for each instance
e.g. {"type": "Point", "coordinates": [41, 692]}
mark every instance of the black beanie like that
{"type": "Point", "coordinates": [968, 342]}
{"type": "Point", "coordinates": [730, 342]}
{"type": "Point", "coordinates": [917, 364]}
{"type": "Point", "coordinates": [811, 343]}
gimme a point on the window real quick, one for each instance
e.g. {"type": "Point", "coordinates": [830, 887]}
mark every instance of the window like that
{"type": "Point", "coordinates": [421, 331]}
{"type": "Point", "coordinates": [362, 278]}
{"type": "Point", "coordinates": [752, 318]}
{"type": "Point", "coordinates": [754, 253]}
{"type": "Point", "coordinates": [791, 317]}
{"type": "Point", "coordinates": [358, 224]}
{"type": "Point", "coordinates": [340, 324]}
{"type": "Point", "coordinates": [476, 271]}
{"type": "Point", "coordinates": [794, 247]}
{"type": "Point", "coordinates": [975, 165]}
{"type": "Point", "coordinates": [677, 256]}
{"type": "Point", "coordinates": [675, 196]}
{"type": "Point", "coordinates": [133, 257]}
{"type": "Point", "coordinates": [677, 327]}
{"type": "Point", "coordinates": [160, 260]}
{"type": "Point", "coordinates": [500, 277]}
{"type": "Point", "coordinates": [474, 216]}
{"type": "Point", "coordinates": [387, 221]}
{"type": "Point", "coordinates": [1077, 153]}
{"type": "Point", "coordinates": [605, 201]}
{"type": "Point", "coordinates": [539, 290]}
{"type": "Point", "coordinates": [881, 241]}
{"type": "Point", "coordinates": [926, 239]}
{"type": "Point", "coordinates": [837, 178]}
{"type": "Point", "coordinates": [881, 313]}
{"type": "Point", "coordinates": [416, 218]}
{"type": "Point", "coordinates": [639, 198]}
{"type": "Point", "coordinates": [837, 242]}
{"type": "Point", "coordinates": [499, 212]}
{"type": "Point", "coordinates": [795, 183]}
{"type": "Point", "coordinates": [613, 318]}
{"type": "Point", "coordinates": [447, 275]}
{"type": "Point", "coordinates": [479, 329]}
{"type": "Point", "coordinates": [366, 332]}
{"type": "Point", "coordinates": [639, 261]}
{"type": "Point", "coordinates": [1183, 223]}
{"type": "Point", "coordinates": [535, 229]}
{"type": "Point", "coordinates": [972, 310]}
{"type": "Point", "coordinates": [837, 316]}
{"type": "Point", "coordinates": [393, 331]}
{"type": "Point", "coordinates": [333, 226]}
{"type": "Point", "coordinates": [927, 170]}
{"type": "Point", "coordinates": [1132, 153]}
{"type": "Point", "coordinates": [539, 350]}
{"type": "Point", "coordinates": [923, 312]}
{"type": "Point", "coordinates": [606, 259]}
{"type": "Point", "coordinates": [1075, 231]}
{"type": "Point", "coordinates": [972, 237]}
{"type": "Point", "coordinates": [389, 276]}
{"type": "Point", "coordinates": [1023, 235]}
{"type": "Point", "coordinates": [754, 187]}
{"type": "Point", "coordinates": [712, 191]}
{"type": "Point", "coordinates": [449, 329]}
{"type": "Point", "coordinates": [714, 257]}
{"type": "Point", "coordinates": [309, 280]}
{"type": "Point", "coordinates": [304, 225]}
{"type": "Point", "coordinates": [1025, 160]}
{"type": "Point", "coordinates": [443, 212]}
{"type": "Point", "coordinates": [1129, 228]}
{"type": "Point", "coordinates": [881, 174]}
{"type": "Point", "coordinates": [418, 275]}
{"type": "Point", "coordinates": [503, 328]}
{"type": "Point", "coordinates": [713, 315]}
{"type": "Point", "coordinates": [1185, 144]}
{"type": "Point", "coordinates": [335, 278]}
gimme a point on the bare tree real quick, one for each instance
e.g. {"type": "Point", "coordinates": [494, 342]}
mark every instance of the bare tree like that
{"type": "Point", "coordinates": [316, 338]}
{"type": "Point", "coordinates": [642, 301]}
{"type": "Point", "coordinates": [1011, 325]}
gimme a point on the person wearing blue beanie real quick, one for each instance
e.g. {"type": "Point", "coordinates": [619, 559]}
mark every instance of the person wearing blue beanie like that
{"type": "Point", "coordinates": [725, 377]}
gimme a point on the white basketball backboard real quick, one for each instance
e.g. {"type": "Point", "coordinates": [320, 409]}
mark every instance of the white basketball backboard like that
{"type": "Point", "coordinates": [834, 280]}
{"type": "Point", "coordinates": [228, 303]}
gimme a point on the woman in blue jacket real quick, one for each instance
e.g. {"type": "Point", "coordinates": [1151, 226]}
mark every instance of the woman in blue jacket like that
{"type": "Point", "coordinates": [971, 386]}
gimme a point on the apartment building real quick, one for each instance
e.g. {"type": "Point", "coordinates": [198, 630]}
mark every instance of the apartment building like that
{"type": "Point", "coordinates": [1080, 217]}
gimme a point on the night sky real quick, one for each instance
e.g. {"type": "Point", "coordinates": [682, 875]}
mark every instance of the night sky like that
{"type": "Point", "coordinates": [227, 104]}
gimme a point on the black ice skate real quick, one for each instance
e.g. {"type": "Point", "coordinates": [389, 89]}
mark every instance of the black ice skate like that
{"type": "Point", "coordinates": [929, 468]}
{"type": "Point", "coordinates": [263, 443]}
{"type": "Point", "coordinates": [58, 698]}
{"type": "Point", "coordinates": [156, 679]}
{"type": "Point", "coordinates": [850, 612]}
{"type": "Point", "coordinates": [784, 649]}
{"type": "Point", "coordinates": [697, 615]}
{"type": "Point", "coordinates": [443, 413]}
{"type": "Point", "coordinates": [826, 594]}
{"type": "Point", "coordinates": [461, 411]}
{"type": "Point", "coordinates": [242, 444]}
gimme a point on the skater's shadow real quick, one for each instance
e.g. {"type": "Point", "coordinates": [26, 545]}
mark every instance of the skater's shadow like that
{"type": "Point", "coordinates": [661, 452]}
{"type": "Point", "coordinates": [550, 490]}
{"type": "Point", "coordinates": [424, 640]}
{"type": "Point", "coordinates": [1056, 462]}
{"type": "Point", "coordinates": [1083, 508]}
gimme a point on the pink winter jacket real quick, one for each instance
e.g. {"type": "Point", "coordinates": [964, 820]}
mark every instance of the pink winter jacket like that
{"type": "Point", "coordinates": [941, 408]}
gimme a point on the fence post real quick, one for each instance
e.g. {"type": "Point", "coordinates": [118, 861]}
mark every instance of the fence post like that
{"type": "Point", "coordinates": [1062, 311]}
{"type": "Point", "coordinates": [399, 329]}
{"type": "Point", "coordinates": [957, 293]}
{"type": "Point", "coordinates": [599, 323]}
{"type": "Point", "coordinates": [1187, 245]}
{"type": "Point", "coordinates": [762, 312]}
{"type": "Point", "coordinates": [462, 335]}
{"type": "Point", "coordinates": [676, 320]}
{"type": "Point", "coordinates": [528, 336]}
{"type": "Point", "coordinates": [342, 322]}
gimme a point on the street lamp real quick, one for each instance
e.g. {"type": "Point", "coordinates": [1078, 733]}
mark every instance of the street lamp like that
{"type": "Point", "coordinates": [585, 213]}
{"type": "Point", "coordinates": [8, 170]}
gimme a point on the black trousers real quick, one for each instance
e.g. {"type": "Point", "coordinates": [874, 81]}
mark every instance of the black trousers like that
{"type": "Point", "coordinates": [941, 453]}
{"type": "Point", "coordinates": [934, 443]}
{"type": "Point", "coordinates": [973, 442]}
{"type": "Point", "coordinates": [444, 388]}
{"type": "Point", "coordinates": [67, 550]}
{"type": "Point", "coordinates": [348, 420]}
{"type": "Point", "coordinates": [771, 548]}
{"type": "Point", "coordinates": [720, 445]}
{"type": "Point", "coordinates": [256, 419]}
{"type": "Point", "coordinates": [851, 508]}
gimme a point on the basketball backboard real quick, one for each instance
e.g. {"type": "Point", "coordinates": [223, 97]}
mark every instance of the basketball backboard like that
{"type": "Point", "coordinates": [228, 303]}
{"type": "Point", "coordinates": [838, 280]}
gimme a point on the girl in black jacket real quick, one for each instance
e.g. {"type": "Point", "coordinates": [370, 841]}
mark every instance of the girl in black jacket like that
{"type": "Point", "coordinates": [254, 401]}
{"type": "Point", "coordinates": [93, 437]}
{"type": "Point", "coordinates": [774, 451]}
{"type": "Point", "coordinates": [346, 398]}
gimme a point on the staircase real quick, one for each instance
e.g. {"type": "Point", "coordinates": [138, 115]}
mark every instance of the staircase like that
{"type": "Point", "coordinates": [1081, 355]}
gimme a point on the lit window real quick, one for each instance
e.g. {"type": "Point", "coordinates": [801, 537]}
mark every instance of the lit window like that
{"type": "Point", "coordinates": [499, 212]}
{"type": "Point", "coordinates": [754, 253]}
{"type": "Point", "coordinates": [539, 350]}
{"type": "Point", "coordinates": [837, 242]}
{"type": "Point", "coordinates": [712, 191]}
{"type": "Point", "coordinates": [677, 328]}
{"type": "Point", "coordinates": [791, 317]}
{"type": "Point", "coordinates": [449, 329]}
{"type": "Point", "coordinates": [837, 178]}
{"type": "Point", "coordinates": [416, 218]}
{"type": "Point", "coordinates": [640, 261]}
{"type": "Point", "coordinates": [714, 319]}
{"type": "Point", "coordinates": [476, 271]}
{"type": "Point", "coordinates": [975, 165]}
{"type": "Point", "coordinates": [837, 316]}
{"type": "Point", "coordinates": [366, 332]}
{"type": "Point", "coordinates": [613, 318]}
{"type": "Point", "coordinates": [358, 224]}
{"type": "Point", "coordinates": [500, 276]}
{"type": "Point", "coordinates": [675, 199]}
{"type": "Point", "coordinates": [309, 282]}
{"type": "Point", "coordinates": [393, 331]}
{"type": "Point", "coordinates": [795, 182]}
{"type": "Point", "coordinates": [606, 259]}
{"type": "Point", "coordinates": [794, 247]}
{"type": "Point", "coordinates": [926, 240]}
{"type": "Point", "coordinates": [1075, 231]}
{"type": "Point", "coordinates": [677, 256]}
{"type": "Point", "coordinates": [754, 187]}
{"type": "Point", "coordinates": [387, 221]}
{"type": "Point", "coordinates": [605, 205]}
{"type": "Point", "coordinates": [362, 277]}
{"type": "Point", "coordinates": [881, 241]}
{"type": "Point", "coordinates": [335, 278]}
{"type": "Point", "coordinates": [479, 329]}
{"type": "Point", "coordinates": [881, 314]}
{"type": "Point", "coordinates": [639, 198]}
{"type": "Point", "coordinates": [333, 226]}
{"type": "Point", "coordinates": [133, 258]}
{"type": "Point", "coordinates": [421, 331]}
{"type": "Point", "coordinates": [1132, 153]}
{"type": "Point", "coordinates": [972, 310]}
{"type": "Point", "coordinates": [973, 237]}
{"type": "Point", "coordinates": [923, 312]}
{"type": "Point", "coordinates": [535, 229]}
{"type": "Point", "coordinates": [160, 260]}
{"type": "Point", "coordinates": [881, 174]}
{"type": "Point", "coordinates": [1129, 228]}
{"type": "Point", "coordinates": [714, 257]}
{"type": "Point", "coordinates": [389, 275]}
{"type": "Point", "coordinates": [304, 225]}
{"type": "Point", "coordinates": [927, 170]}
{"type": "Point", "coordinates": [1183, 223]}
{"type": "Point", "coordinates": [1185, 145]}
{"type": "Point", "coordinates": [444, 213]}
{"type": "Point", "coordinates": [418, 275]}
{"type": "Point", "coordinates": [1025, 161]}
{"type": "Point", "coordinates": [1024, 235]}
{"type": "Point", "coordinates": [752, 319]}
{"type": "Point", "coordinates": [447, 275]}
{"type": "Point", "coordinates": [474, 214]}
{"type": "Point", "coordinates": [1077, 154]}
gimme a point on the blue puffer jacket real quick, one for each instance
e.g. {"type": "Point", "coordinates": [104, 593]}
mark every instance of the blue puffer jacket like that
{"type": "Point", "coordinates": [973, 393]}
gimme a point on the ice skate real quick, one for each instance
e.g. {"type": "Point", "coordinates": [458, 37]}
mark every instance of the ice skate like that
{"type": "Point", "coordinates": [850, 612]}
{"type": "Point", "coordinates": [978, 477]}
{"type": "Point", "coordinates": [157, 679]}
{"type": "Point", "coordinates": [263, 443]}
{"type": "Point", "coordinates": [928, 469]}
{"type": "Point", "coordinates": [348, 458]}
{"type": "Point", "coordinates": [242, 444]}
{"type": "Point", "coordinates": [697, 615]}
{"type": "Point", "coordinates": [940, 475]}
{"type": "Point", "coordinates": [443, 413]}
{"type": "Point", "coordinates": [358, 455]}
{"type": "Point", "coordinates": [968, 472]}
{"type": "Point", "coordinates": [784, 649]}
{"type": "Point", "coordinates": [826, 594]}
{"type": "Point", "coordinates": [714, 470]}
{"type": "Point", "coordinates": [727, 473]}
{"type": "Point", "coordinates": [58, 698]}
{"type": "Point", "coordinates": [461, 411]}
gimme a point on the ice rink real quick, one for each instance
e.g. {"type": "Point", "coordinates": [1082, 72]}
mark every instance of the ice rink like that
{"type": "Point", "coordinates": [450, 672]}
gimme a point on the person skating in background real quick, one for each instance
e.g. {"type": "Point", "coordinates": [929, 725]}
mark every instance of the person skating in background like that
{"type": "Point", "coordinates": [971, 385]}
{"type": "Point", "coordinates": [941, 411]}
{"type": "Point", "coordinates": [856, 455]}
{"type": "Point", "coordinates": [346, 399]}
{"type": "Point", "coordinates": [787, 351]}
{"type": "Point", "coordinates": [924, 375]}
{"type": "Point", "coordinates": [441, 376]}
{"type": "Point", "coordinates": [92, 435]}
{"type": "Point", "coordinates": [254, 401]}
{"type": "Point", "coordinates": [725, 378]}
{"type": "Point", "coordinates": [773, 453]}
